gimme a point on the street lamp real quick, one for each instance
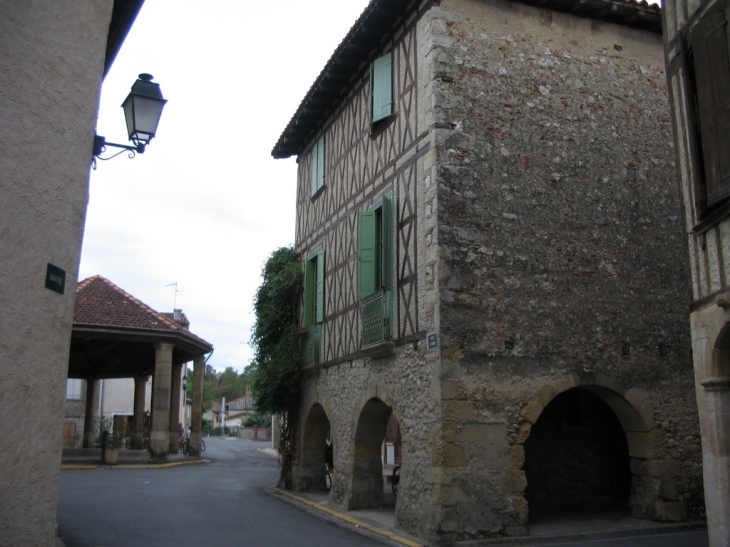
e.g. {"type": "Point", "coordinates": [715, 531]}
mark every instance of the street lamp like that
{"type": "Point", "coordinates": [185, 383]}
{"type": "Point", "coordinates": [142, 110]}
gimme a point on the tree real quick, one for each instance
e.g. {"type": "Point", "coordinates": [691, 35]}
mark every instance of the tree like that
{"type": "Point", "coordinates": [277, 353]}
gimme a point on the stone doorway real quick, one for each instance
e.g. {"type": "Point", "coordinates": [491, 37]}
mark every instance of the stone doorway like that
{"type": "Point", "coordinates": [577, 458]}
{"type": "Point", "coordinates": [367, 477]}
{"type": "Point", "coordinates": [310, 475]}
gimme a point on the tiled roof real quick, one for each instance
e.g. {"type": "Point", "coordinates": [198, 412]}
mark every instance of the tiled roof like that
{"type": "Point", "coordinates": [99, 302]}
{"type": "Point", "coordinates": [379, 18]}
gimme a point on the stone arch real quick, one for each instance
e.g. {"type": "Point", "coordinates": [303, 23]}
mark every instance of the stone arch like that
{"type": "Point", "coordinates": [310, 473]}
{"type": "Point", "coordinates": [367, 473]}
{"type": "Point", "coordinates": [714, 402]}
{"type": "Point", "coordinates": [577, 456]}
{"type": "Point", "coordinates": [720, 361]}
{"type": "Point", "coordinates": [645, 442]}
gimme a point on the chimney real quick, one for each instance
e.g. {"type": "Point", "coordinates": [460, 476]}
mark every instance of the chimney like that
{"type": "Point", "coordinates": [177, 314]}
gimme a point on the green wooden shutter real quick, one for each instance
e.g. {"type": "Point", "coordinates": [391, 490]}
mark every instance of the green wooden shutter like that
{"type": "Point", "coordinates": [310, 274]}
{"type": "Point", "coordinates": [318, 165]}
{"type": "Point", "coordinates": [367, 249]}
{"type": "Point", "coordinates": [386, 246]}
{"type": "Point", "coordinates": [319, 288]}
{"type": "Point", "coordinates": [381, 87]}
{"type": "Point", "coordinates": [708, 40]}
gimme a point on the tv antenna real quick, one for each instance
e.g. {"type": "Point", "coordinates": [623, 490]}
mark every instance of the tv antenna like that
{"type": "Point", "coordinates": [174, 306]}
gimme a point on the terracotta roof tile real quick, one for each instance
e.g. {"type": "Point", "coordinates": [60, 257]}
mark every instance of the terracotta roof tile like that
{"type": "Point", "coordinates": [99, 302]}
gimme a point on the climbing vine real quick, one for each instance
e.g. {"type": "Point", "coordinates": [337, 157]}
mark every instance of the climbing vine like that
{"type": "Point", "coordinates": [277, 352]}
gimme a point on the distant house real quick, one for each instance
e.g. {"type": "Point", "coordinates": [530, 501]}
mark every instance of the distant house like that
{"type": "Point", "coordinates": [238, 409]}
{"type": "Point", "coordinates": [487, 223]}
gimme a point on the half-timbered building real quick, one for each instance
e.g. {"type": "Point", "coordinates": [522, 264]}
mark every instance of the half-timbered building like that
{"type": "Point", "coordinates": [487, 219]}
{"type": "Point", "coordinates": [698, 72]}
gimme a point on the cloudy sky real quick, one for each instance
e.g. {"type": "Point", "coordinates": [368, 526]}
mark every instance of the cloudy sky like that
{"type": "Point", "coordinates": [206, 204]}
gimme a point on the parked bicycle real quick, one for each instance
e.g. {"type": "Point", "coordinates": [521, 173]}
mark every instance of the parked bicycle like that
{"type": "Point", "coordinates": [329, 465]}
{"type": "Point", "coordinates": [186, 446]}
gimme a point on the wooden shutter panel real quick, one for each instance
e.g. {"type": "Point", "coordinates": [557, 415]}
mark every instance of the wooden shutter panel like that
{"type": "Point", "coordinates": [310, 273]}
{"type": "Point", "coordinates": [367, 248]}
{"type": "Point", "coordinates": [386, 258]}
{"type": "Point", "coordinates": [381, 83]}
{"type": "Point", "coordinates": [708, 40]}
{"type": "Point", "coordinates": [319, 289]}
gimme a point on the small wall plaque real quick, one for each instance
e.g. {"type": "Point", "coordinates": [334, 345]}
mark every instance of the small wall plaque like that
{"type": "Point", "coordinates": [55, 278]}
{"type": "Point", "coordinates": [432, 341]}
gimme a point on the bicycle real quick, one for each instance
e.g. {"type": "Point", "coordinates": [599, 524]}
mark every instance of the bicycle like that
{"type": "Point", "coordinates": [328, 466]}
{"type": "Point", "coordinates": [186, 446]}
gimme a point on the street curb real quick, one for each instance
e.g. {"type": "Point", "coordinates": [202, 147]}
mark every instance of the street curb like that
{"type": "Point", "coordinates": [658, 530]}
{"type": "Point", "coordinates": [622, 533]}
{"type": "Point", "coordinates": [168, 465]}
{"type": "Point", "coordinates": [360, 524]}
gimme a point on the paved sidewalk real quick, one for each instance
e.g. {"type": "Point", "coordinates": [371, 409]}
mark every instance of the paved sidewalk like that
{"type": "Point", "coordinates": [551, 529]}
{"type": "Point", "coordinates": [90, 458]}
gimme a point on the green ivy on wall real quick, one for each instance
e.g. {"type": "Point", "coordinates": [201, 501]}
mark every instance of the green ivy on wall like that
{"type": "Point", "coordinates": [277, 351]}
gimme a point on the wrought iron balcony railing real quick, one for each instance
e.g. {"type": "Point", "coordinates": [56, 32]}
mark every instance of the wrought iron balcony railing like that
{"type": "Point", "coordinates": [312, 344]}
{"type": "Point", "coordinates": [376, 318]}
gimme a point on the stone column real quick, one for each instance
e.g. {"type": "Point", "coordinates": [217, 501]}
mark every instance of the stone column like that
{"type": "Point", "coordinates": [160, 434]}
{"type": "Point", "coordinates": [196, 426]}
{"type": "Point", "coordinates": [91, 393]}
{"type": "Point", "coordinates": [175, 417]}
{"type": "Point", "coordinates": [140, 389]}
{"type": "Point", "coordinates": [715, 425]}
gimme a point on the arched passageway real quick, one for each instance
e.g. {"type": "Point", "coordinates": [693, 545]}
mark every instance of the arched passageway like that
{"type": "Point", "coordinates": [577, 457]}
{"type": "Point", "coordinates": [311, 474]}
{"type": "Point", "coordinates": [367, 477]}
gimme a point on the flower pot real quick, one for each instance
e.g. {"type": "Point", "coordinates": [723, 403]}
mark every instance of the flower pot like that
{"type": "Point", "coordinates": [111, 456]}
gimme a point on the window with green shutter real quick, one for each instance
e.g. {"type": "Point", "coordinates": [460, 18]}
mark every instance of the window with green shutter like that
{"type": "Point", "coordinates": [318, 165]}
{"type": "Point", "coordinates": [314, 289]}
{"type": "Point", "coordinates": [381, 88]}
{"type": "Point", "coordinates": [375, 270]}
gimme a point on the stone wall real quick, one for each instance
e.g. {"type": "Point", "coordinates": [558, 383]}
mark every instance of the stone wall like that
{"type": "Point", "coordinates": [50, 71]}
{"type": "Point", "coordinates": [549, 258]}
{"type": "Point", "coordinates": [407, 383]}
{"type": "Point", "coordinates": [563, 257]}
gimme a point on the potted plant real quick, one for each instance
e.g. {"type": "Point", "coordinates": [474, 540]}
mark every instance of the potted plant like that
{"type": "Point", "coordinates": [110, 445]}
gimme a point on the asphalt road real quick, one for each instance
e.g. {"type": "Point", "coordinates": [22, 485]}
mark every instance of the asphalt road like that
{"type": "Point", "coordinates": [220, 504]}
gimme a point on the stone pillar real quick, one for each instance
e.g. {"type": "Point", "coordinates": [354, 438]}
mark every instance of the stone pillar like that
{"type": "Point", "coordinates": [91, 393]}
{"type": "Point", "coordinates": [160, 434]}
{"type": "Point", "coordinates": [140, 389]}
{"type": "Point", "coordinates": [196, 426]}
{"type": "Point", "coordinates": [175, 417]}
{"type": "Point", "coordinates": [715, 425]}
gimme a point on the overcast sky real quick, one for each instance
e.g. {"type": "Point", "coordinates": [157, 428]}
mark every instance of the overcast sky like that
{"type": "Point", "coordinates": [206, 204]}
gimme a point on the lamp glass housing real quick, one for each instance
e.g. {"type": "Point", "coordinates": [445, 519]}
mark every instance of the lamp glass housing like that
{"type": "Point", "coordinates": [142, 110]}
